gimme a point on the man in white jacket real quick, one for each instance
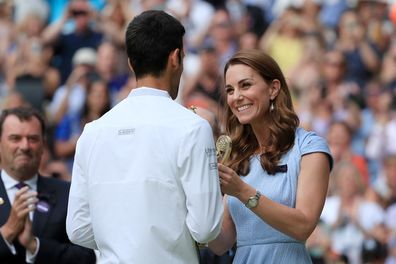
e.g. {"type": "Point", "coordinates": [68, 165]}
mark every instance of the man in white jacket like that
{"type": "Point", "coordinates": [145, 184]}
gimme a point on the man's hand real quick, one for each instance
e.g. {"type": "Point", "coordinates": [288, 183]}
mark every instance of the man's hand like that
{"type": "Point", "coordinates": [24, 203]}
{"type": "Point", "coordinates": [26, 237]}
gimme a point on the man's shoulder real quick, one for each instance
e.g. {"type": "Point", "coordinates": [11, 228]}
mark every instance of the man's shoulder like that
{"type": "Point", "coordinates": [173, 115]}
{"type": "Point", "coordinates": [188, 114]}
{"type": "Point", "coordinates": [53, 189]}
{"type": "Point", "coordinates": [54, 182]}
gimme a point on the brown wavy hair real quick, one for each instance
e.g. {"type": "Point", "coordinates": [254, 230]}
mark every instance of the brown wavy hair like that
{"type": "Point", "coordinates": [282, 120]}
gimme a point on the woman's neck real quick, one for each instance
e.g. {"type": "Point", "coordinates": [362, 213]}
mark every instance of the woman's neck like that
{"type": "Point", "coordinates": [262, 135]}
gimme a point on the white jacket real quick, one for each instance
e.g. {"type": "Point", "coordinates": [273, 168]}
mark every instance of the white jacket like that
{"type": "Point", "coordinates": [145, 183]}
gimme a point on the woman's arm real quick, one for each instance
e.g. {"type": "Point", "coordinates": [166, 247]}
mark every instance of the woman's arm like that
{"type": "Point", "coordinates": [296, 222]}
{"type": "Point", "coordinates": [226, 239]}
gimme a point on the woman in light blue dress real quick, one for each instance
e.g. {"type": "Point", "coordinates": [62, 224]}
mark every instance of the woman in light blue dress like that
{"type": "Point", "coordinates": [277, 176]}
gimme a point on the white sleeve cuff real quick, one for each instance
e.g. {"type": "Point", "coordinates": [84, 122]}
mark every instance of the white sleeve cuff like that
{"type": "Point", "coordinates": [10, 246]}
{"type": "Point", "coordinates": [31, 258]}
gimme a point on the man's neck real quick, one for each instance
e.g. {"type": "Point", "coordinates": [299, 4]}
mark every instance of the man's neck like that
{"type": "Point", "coordinates": [19, 176]}
{"type": "Point", "coordinates": [160, 83]}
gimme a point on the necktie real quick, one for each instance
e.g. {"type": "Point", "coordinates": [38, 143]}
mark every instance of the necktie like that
{"type": "Point", "coordinates": [20, 185]}
{"type": "Point", "coordinates": [42, 205]}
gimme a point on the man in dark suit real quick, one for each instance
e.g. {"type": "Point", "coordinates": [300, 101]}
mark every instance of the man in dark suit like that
{"type": "Point", "coordinates": [32, 207]}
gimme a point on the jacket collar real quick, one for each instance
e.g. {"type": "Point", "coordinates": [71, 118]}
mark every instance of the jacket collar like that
{"type": "Point", "coordinates": [147, 91]}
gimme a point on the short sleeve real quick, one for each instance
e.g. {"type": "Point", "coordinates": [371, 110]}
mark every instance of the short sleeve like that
{"type": "Point", "coordinates": [310, 142]}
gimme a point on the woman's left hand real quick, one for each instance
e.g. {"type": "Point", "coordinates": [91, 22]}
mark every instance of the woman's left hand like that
{"type": "Point", "coordinates": [230, 182]}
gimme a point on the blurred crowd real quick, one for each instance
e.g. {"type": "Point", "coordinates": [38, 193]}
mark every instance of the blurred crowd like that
{"type": "Point", "coordinates": [67, 59]}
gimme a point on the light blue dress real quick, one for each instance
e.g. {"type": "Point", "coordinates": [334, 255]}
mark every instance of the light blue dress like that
{"type": "Point", "coordinates": [258, 242]}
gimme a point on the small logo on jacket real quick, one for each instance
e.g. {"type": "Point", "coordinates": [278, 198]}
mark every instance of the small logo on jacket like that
{"type": "Point", "coordinates": [210, 152]}
{"type": "Point", "coordinates": [213, 166]}
{"type": "Point", "coordinates": [126, 131]}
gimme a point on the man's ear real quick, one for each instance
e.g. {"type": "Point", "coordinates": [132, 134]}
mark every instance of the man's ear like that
{"type": "Point", "coordinates": [130, 65]}
{"type": "Point", "coordinates": [175, 58]}
{"type": "Point", "coordinates": [274, 89]}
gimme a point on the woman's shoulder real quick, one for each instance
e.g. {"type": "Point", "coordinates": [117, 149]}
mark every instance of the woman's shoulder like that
{"type": "Point", "coordinates": [310, 142]}
{"type": "Point", "coordinates": [304, 137]}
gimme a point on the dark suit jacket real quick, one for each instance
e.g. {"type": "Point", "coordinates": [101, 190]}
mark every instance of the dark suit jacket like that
{"type": "Point", "coordinates": [50, 228]}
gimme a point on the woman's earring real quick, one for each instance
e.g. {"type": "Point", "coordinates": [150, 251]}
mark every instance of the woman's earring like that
{"type": "Point", "coordinates": [272, 106]}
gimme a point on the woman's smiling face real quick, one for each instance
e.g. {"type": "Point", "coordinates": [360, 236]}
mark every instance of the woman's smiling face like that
{"type": "Point", "coordinates": [248, 94]}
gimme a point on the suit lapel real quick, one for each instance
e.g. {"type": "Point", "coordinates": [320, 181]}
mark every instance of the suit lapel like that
{"type": "Point", "coordinates": [5, 208]}
{"type": "Point", "coordinates": [46, 193]}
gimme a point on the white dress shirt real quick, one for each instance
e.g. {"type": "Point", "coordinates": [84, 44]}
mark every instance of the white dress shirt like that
{"type": "Point", "coordinates": [145, 183]}
{"type": "Point", "coordinates": [9, 184]}
{"type": "Point", "coordinates": [11, 189]}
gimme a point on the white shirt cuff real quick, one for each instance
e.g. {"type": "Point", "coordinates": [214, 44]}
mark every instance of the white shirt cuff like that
{"type": "Point", "coordinates": [10, 246]}
{"type": "Point", "coordinates": [31, 258]}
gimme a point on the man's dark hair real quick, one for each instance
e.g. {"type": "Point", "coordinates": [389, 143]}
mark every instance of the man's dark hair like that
{"type": "Point", "coordinates": [23, 114]}
{"type": "Point", "coordinates": [150, 38]}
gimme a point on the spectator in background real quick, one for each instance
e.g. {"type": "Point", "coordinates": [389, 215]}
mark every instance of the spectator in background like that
{"type": "Point", "coordinates": [388, 68]}
{"type": "Point", "coordinates": [374, 16]}
{"type": "Point", "coordinates": [70, 97]}
{"type": "Point", "coordinates": [353, 220]}
{"type": "Point", "coordinates": [317, 114]}
{"type": "Point", "coordinates": [32, 218]}
{"type": "Point", "coordinates": [66, 44]}
{"type": "Point", "coordinates": [190, 13]}
{"type": "Point", "coordinates": [310, 10]}
{"type": "Point", "coordinates": [97, 102]}
{"type": "Point", "coordinates": [53, 167]}
{"type": "Point", "coordinates": [7, 29]}
{"type": "Point", "coordinates": [380, 142]}
{"type": "Point", "coordinates": [386, 182]}
{"type": "Point", "coordinates": [113, 20]}
{"type": "Point", "coordinates": [390, 173]}
{"type": "Point", "coordinates": [126, 89]}
{"type": "Point", "coordinates": [57, 8]}
{"type": "Point", "coordinates": [204, 88]}
{"type": "Point", "coordinates": [222, 36]}
{"type": "Point", "coordinates": [283, 40]}
{"type": "Point", "coordinates": [339, 138]}
{"type": "Point", "coordinates": [25, 8]}
{"type": "Point", "coordinates": [13, 99]}
{"type": "Point", "coordinates": [30, 56]}
{"type": "Point", "coordinates": [374, 115]}
{"type": "Point", "coordinates": [314, 48]}
{"type": "Point", "coordinates": [306, 76]}
{"type": "Point", "coordinates": [331, 12]}
{"type": "Point", "coordinates": [361, 56]}
{"type": "Point", "coordinates": [248, 40]}
{"type": "Point", "coordinates": [336, 89]}
{"type": "Point", "coordinates": [107, 69]}
{"type": "Point", "coordinates": [391, 259]}
{"type": "Point", "coordinates": [328, 95]}
{"type": "Point", "coordinates": [319, 244]}
{"type": "Point", "coordinates": [27, 67]}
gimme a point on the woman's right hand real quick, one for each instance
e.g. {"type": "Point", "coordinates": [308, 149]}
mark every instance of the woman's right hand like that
{"type": "Point", "coordinates": [230, 182]}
